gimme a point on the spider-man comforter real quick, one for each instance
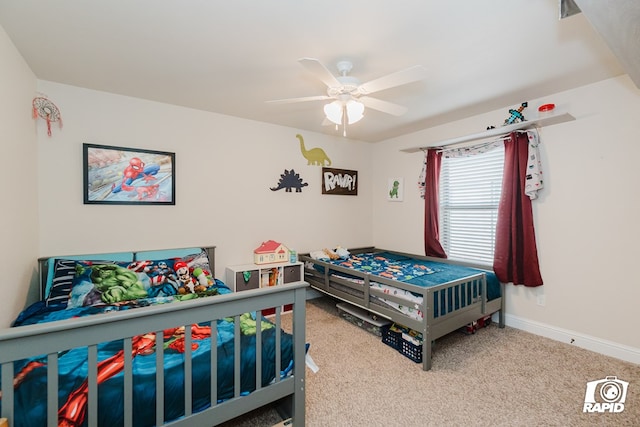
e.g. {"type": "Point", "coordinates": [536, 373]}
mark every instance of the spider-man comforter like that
{"type": "Point", "coordinates": [30, 375]}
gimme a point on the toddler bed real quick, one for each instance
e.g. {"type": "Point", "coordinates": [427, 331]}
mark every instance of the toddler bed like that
{"type": "Point", "coordinates": [149, 338]}
{"type": "Point", "coordinates": [432, 296]}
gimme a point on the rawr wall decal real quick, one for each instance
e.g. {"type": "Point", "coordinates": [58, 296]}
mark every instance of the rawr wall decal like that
{"type": "Point", "coordinates": [339, 181]}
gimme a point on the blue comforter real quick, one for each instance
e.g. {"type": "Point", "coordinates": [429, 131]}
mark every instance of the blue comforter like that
{"type": "Point", "coordinates": [30, 398]}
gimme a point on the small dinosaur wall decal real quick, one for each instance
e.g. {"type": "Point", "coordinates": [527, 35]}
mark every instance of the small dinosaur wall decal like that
{"type": "Point", "coordinates": [290, 180]}
{"type": "Point", "coordinates": [315, 156]}
{"type": "Point", "coordinates": [394, 190]}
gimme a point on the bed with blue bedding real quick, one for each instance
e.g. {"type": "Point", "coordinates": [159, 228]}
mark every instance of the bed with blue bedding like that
{"type": "Point", "coordinates": [112, 343]}
{"type": "Point", "coordinates": [428, 295]}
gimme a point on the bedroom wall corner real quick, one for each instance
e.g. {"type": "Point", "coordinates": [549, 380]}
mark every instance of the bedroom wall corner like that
{"type": "Point", "coordinates": [18, 175]}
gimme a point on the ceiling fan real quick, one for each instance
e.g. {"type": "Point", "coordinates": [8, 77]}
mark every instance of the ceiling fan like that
{"type": "Point", "coordinates": [349, 96]}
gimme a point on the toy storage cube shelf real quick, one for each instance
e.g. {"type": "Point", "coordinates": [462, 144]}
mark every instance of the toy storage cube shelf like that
{"type": "Point", "coordinates": [253, 276]}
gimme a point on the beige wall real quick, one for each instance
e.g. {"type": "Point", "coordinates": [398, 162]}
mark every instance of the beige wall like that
{"type": "Point", "coordinates": [18, 180]}
{"type": "Point", "coordinates": [224, 169]}
{"type": "Point", "coordinates": [586, 217]}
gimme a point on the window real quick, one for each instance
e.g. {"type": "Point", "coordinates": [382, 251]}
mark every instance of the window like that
{"type": "Point", "coordinates": [470, 190]}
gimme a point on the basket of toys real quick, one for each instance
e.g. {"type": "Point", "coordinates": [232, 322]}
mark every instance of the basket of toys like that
{"type": "Point", "coordinates": [411, 346]}
{"type": "Point", "coordinates": [405, 340]}
{"type": "Point", "coordinates": [391, 336]}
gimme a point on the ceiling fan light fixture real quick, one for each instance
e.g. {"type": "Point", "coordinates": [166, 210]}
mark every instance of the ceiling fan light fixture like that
{"type": "Point", "coordinates": [333, 111]}
{"type": "Point", "coordinates": [355, 111]}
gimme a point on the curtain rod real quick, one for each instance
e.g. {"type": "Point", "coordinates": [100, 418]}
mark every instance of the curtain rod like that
{"type": "Point", "coordinates": [462, 144]}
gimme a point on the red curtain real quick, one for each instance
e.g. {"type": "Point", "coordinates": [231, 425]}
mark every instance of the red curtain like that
{"type": "Point", "coordinates": [432, 246]}
{"type": "Point", "coordinates": [516, 254]}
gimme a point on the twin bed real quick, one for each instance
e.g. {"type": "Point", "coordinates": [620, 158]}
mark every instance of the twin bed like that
{"type": "Point", "coordinates": [150, 338]}
{"type": "Point", "coordinates": [431, 296]}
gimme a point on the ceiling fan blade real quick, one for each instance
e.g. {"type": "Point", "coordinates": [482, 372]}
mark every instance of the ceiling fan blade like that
{"type": "Point", "coordinates": [303, 99]}
{"type": "Point", "coordinates": [384, 106]}
{"type": "Point", "coordinates": [398, 78]}
{"type": "Point", "coordinates": [320, 71]}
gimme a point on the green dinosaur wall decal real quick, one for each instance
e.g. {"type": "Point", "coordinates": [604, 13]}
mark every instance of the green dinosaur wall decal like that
{"type": "Point", "coordinates": [394, 190]}
{"type": "Point", "coordinates": [315, 156]}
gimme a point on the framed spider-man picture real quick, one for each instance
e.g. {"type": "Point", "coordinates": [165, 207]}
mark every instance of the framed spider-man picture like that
{"type": "Point", "coordinates": [128, 176]}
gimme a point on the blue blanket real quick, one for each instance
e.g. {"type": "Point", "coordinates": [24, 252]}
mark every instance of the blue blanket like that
{"type": "Point", "coordinates": [385, 265]}
{"type": "Point", "coordinates": [415, 271]}
{"type": "Point", "coordinates": [30, 398]}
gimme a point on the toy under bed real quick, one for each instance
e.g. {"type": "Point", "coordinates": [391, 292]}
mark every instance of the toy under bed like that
{"type": "Point", "coordinates": [151, 360]}
{"type": "Point", "coordinates": [429, 295]}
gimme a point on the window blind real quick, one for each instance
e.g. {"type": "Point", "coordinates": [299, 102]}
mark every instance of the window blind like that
{"type": "Point", "coordinates": [470, 190]}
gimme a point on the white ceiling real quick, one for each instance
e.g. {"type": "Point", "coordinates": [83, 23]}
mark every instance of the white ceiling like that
{"type": "Point", "coordinates": [231, 56]}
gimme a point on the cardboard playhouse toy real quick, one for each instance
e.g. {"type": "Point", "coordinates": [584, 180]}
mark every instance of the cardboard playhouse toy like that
{"type": "Point", "coordinates": [270, 251]}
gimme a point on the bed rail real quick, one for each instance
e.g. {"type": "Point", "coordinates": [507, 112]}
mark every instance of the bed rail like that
{"type": "Point", "coordinates": [52, 338]}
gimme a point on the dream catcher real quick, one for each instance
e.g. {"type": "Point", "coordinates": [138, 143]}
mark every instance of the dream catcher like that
{"type": "Point", "coordinates": [44, 108]}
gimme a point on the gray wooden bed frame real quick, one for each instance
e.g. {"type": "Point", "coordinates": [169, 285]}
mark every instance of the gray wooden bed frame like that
{"type": "Point", "coordinates": [431, 327]}
{"type": "Point", "coordinates": [54, 337]}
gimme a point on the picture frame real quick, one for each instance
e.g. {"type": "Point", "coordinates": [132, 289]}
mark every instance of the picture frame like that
{"type": "Point", "coordinates": [395, 189]}
{"type": "Point", "coordinates": [128, 176]}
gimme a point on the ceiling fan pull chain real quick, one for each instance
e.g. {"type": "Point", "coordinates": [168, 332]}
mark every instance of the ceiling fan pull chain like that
{"type": "Point", "coordinates": [344, 121]}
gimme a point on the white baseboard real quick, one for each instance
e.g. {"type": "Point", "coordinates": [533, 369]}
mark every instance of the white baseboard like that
{"type": "Point", "coordinates": [608, 348]}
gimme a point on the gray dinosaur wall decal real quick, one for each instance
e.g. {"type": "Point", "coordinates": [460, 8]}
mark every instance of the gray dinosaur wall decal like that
{"type": "Point", "coordinates": [290, 180]}
{"type": "Point", "coordinates": [315, 156]}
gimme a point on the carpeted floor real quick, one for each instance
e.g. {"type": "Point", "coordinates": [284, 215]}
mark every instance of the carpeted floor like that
{"type": "Point", "coordinates": [497, 377]}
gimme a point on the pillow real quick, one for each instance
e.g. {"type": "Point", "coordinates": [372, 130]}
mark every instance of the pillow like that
{"type": "Point", "coordinates": [197, 275]}
{"type": "Point", "coordinates": [105, 283]}
{"type": "Point", "coordinates": [59, 284]}
{"type": "Point", "coordinates": [119, 283]}
{"type": "Point", "coordinates": [66, 273]}
{"type": "Point", "coordinates": [52, 272]}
